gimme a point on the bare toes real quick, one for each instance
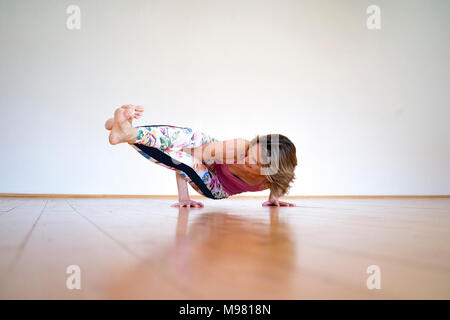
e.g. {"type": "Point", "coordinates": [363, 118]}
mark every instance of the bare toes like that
{"type": "Point", "coordinates": [109, 123]}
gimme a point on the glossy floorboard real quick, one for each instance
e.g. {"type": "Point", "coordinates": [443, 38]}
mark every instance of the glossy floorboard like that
{"type": "Point", "coordinates": [231, 249]}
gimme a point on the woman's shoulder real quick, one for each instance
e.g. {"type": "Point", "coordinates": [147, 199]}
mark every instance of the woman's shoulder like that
{"type": "Point", "coordinates": [237, 142]}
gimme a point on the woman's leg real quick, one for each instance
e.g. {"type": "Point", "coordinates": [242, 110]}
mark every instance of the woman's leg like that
{"type": "Point", "coordinates": [163, 144]}
{"type": "Point", "coordinates": [170, 138]}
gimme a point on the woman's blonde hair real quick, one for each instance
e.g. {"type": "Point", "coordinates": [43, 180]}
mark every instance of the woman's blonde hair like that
{"type": "Point", "coordinates": [278, 148]}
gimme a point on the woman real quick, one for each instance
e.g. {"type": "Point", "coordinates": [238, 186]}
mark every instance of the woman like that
{"type": "Point", "coordinates": [216, 169]}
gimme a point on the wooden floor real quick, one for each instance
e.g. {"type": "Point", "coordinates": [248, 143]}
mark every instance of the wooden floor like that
{"type": "Point", "coordinates": [231, 249]}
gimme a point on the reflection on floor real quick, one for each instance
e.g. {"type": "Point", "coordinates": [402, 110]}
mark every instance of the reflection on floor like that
{"type": "Point", "coordinates": [231, 249]}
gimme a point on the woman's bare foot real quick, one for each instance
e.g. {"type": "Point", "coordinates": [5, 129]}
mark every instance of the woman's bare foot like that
{"type": "Point", "coordinates": [137, 111]}
{"type": "Point", "coordinates": [122, 130]}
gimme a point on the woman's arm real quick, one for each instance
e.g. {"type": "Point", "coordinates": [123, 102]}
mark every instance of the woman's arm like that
{"type": "Point", "coordinates": [183, 195]}
{"type": "Point", "coordinates": [275, 202]}
{"type": "Point", "coordinates": [228, 151]}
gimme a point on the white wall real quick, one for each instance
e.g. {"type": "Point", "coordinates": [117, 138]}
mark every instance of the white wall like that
{"type": "Point", "coordinates": [367, 109]}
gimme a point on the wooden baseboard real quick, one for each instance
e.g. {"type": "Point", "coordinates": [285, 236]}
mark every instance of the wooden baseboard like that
{"type": "Point", "coordinates": [132, 196]}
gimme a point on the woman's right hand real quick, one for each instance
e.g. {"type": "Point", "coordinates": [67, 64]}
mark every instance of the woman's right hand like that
{"type": "Point", "coordinates": [188, 203]}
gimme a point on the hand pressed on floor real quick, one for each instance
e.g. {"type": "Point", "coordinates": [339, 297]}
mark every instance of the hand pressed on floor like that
{"type": "Point", "coordinates": [188, 203]}
{"type": "Point", "coordinates": [275, 202]}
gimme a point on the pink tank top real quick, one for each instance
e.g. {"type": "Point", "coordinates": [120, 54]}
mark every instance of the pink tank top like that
{"type": "Point", "coordinates": [231, 183]}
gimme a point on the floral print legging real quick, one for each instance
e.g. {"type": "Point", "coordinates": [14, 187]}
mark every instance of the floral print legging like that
{"type": "Point", "coordinates": [163, 144]}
